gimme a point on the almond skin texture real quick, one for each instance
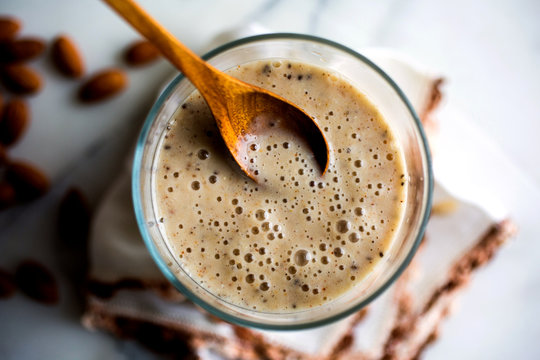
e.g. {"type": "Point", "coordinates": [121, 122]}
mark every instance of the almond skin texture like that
{"type": "Point", "coordinates": [21, 50]}
{"type": "Point", "coordinates": [103, 85]}
{"type": "Point", "coordinates": [141, 53]}
{"type": "Point", "coordinates": [20, 79]}
{"type": "Point", "coordinates": [37, 282]}
{"type": "Point", "coordinates": [7, 284]}
{"type": "Point", "coordinates": [7, 195]}
{"type": "Point", "coordinates": [9, 27]}
{"type": "Point", "coordinates": [28, 181]}
{"type": "Point", "coordinates": [66, 57]}
{"type": "Point", "coordinates": [14, 122]}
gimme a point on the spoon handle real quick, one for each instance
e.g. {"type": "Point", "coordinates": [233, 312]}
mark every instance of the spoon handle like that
{"type": "Point", "coordinates": [192, 66]}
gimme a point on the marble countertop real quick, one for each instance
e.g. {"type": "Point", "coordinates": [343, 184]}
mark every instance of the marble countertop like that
{"type": "Point", "coordinates": [488, 52]}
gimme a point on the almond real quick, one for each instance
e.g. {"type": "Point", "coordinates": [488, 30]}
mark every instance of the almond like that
{"type": "Point", "coordinates": [7, 195]}
{"type": "Point", "coordinates": [21, 79]}
{"type": "Point", "coordinates": [3, 155]}
{"type": "Point", "coordinates": [37, 282]}
{"type": "Point", "coordinates": [9, 27]}
{"type": "Point", "coordinates": [28, 181]}
{"type": "Point", "coordinates": [141, 52]}
{"type": "Point", "coordinates": [74, 219]}
{"type": "Point", "coordinates": [14, 122]}
{"type": "Point", "coordinates": [7, 284]}
{"type": "Point", "coordinates": [103, 85]}
{"type": "Point", "coordinates": [21, 50]}
{"type": "Point", "coordinates": [67, 57]}
{"type": "Point", "coordinates": [73, 231]}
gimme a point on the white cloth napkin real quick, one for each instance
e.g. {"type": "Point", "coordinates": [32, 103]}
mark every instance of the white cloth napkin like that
{"type": "Point", "coordinates": [466, 213]}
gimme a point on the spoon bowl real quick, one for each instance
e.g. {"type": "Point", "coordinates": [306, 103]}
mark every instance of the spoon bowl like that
{"type": "Point", "coordinates": [257, 112]}
{"type": "Point", "coordinates": [241, 110]}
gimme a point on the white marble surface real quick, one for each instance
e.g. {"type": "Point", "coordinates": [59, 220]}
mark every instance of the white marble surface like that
{"type": "Point", "coordinates": [488, 50]}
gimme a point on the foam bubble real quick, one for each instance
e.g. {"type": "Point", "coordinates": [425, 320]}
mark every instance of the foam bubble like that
{"type": "Point", "coordinates": [302, 257]}
{"type": "Point", "coordinates": [264, 286]}
{"type": "Point", "coordinates": [261, 215]}
{"type": "Point", "coordinates": [354, 237]}
{"type": "Point", "coordinates": [203, 154]}
{"type": "Point", "coordinates": [343, 226]}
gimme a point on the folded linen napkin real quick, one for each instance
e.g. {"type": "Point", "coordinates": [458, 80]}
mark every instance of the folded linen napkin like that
{"type": "Point", "coordinates": [129, 297]}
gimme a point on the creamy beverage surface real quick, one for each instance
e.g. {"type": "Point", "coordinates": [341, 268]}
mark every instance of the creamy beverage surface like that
{"type": "Point", "coordinates": [293, 239]}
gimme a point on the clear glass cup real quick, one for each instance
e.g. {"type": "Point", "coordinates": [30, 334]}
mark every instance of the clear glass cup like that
{"type": "Point", "coordinates": [380, 90]}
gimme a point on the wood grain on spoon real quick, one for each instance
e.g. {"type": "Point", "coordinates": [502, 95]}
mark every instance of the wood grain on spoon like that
{"type": "Point", "coordinates": [240, 109]}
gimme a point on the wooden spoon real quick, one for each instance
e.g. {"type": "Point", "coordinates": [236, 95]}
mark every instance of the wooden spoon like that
{"type": "Point", "coordinates": [240, 109]}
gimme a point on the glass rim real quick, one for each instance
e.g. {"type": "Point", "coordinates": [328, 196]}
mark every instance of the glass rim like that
{"type": "Point", "coordinates": [152, 248]}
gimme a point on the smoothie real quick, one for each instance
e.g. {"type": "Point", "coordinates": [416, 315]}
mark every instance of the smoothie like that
{"type": "Point", "coordinates": [293, 239]}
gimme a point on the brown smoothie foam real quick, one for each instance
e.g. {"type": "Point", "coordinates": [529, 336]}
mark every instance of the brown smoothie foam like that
{"type": "Point", "coordinates": [294, 239]}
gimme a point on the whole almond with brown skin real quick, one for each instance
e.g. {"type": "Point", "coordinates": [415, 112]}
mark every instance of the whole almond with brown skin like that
{"type": "Point", "coordinates": [21, 79]}
{"type": "Point", "coordinates": [74, 219]}
{"type": "Point", "coordinates": [1, 106]}
{"type": "Point", "coordinates": [14, 122]}
{"type": "Point", "coordinates": [7, 195]}
{"type": "Point", "coordinates": [27, 180]}
{"type": "Point", "coordinates": [73, 232]}
{"type": "Point", "coordinates": [141, 52]}
{"type": "Point", "coordinates": [103, 85]}
{"type": "Point", "coordinates": [21, 50]}
{"type": "Point", "coordinates": [37, 282]}
{"type": "Point", "coordinates": [7, 284]}
{"type": "Point", "coordinates": [9, 27]}
{"type": "Point", "coordinates": [67, 57]}
{"type": "Point", "coordinates": [3, 155]}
